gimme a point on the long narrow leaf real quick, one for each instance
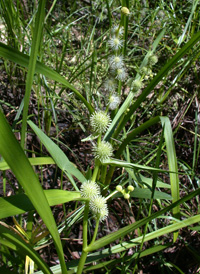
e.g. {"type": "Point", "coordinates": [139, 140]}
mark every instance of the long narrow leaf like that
{"type": "Point", "coordinates": [57, 154]}
{"type": "Point", "coordinates": [23, 247]}
{"type": "Point", "coordinates": [125, 230]}
{"type": "Point", "coordinates": [13, 154]}
{"type": "Point", "coordinates": [20, 203]}
{"type": "Point", "coordinates": [23, 60]}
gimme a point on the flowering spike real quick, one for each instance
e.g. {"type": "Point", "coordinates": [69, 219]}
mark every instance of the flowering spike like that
{"type": "Point", "coordinates": [115, 43]}
{"type": "Point", "coordinates": [121, 74]}
{"type": "Point", "coordinates": [103, 151]}
{"type": "Point", "coordinates": [116, 62]}
{"type": "Point", "coordinates": [99, 207]}
{"type": "Point", "coordinates": [114, 101]}
{"type": "Point", "coordinates": [110, 84]}
{"type": "Point", "coordinates": [89, 189]}
{"type": "Point", "coordinates": [100, 121]}
{"type": "Point", "coordinates": [153, 59]}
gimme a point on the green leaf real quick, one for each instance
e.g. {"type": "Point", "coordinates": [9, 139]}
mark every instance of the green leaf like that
{"type": "Point", "coordinates": [120, 163]}
{"type": "Point", "coordinates": [36, 161]}
{"type": "Point", "coordinates": [125, 230]}
{"type": "Point", "coordinates": [23, 60]}
{"type": "Point", "coordinates": [57, 154]}
{"type": "Point", "coordinates": [20, 203]}
{"type": "Point", "coordinates": [172, 162]}
{"type": "Point", "coordinates": [13, 154]}
{"type": "Point", "coordinates": [22, 247]}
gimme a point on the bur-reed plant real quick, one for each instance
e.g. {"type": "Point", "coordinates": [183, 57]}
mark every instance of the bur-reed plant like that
{"type": "Point", "coordinates": [112, 135]}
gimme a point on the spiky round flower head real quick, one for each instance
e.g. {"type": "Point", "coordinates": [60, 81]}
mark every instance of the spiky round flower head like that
{"type": "Point", "coordinates": [137, 84]}
{"type": "Point", "coordinates": [153, 59]}
{"type": "Point", "coordinates": [130, 188]}
{"type": "Point", "coordinates": [99, 207]}
{"type": "Point", "coordinates": [126, 196]}
{"type": "Point", "coordinates": [100, 121]}
{"type": "Point", "coordinates": [103, 151]}
{"type": "Point", "coordinates": [114, 101]}
{"type": "Point", "coordinates": [125, 11]}
{"type": "Point", "coordinates": [115, 43]}
{"type": "Point", "coordinates": [117, 31]}
{"type": "Point", "coordinates": [110, 84]}
{"type": "Point", "coordinates": [121, 74]}
{"type": "Point", "coordinates": [119, 188]}
{"type": "Point", "coordinates": [89, 189]}
{"type": "Point", "coordinates": [144, 70]}
{"type": "Point", "coordinates": [116, 62]}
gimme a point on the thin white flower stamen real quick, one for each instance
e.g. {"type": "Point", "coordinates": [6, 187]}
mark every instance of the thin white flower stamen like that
{"type": "Point", "coordinates": [116, 62]}
{"type": "Point", "coordinates": [121, 74]}
{"type": "Point", "coordinates": [115, 43]}
{"type": "Point", "coordinates": [114, 101]}
{"type": "Point", "coordinates": [110, 84]}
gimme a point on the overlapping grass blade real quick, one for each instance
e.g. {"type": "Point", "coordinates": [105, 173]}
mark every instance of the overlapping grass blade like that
{"type": "Point", "coordinates": [124, 231]}
{"type": "Point", "coordinates": [13, 154]}
{"type": "Point", "coordinates": [22, 247]}
{"type": "Point", "coordinates": [57, 154]}
{"type": "Point", "coordinates": [23, 60]}
{"type": "Point", "coordinates": [37, 35]}
{"type": "Point", "coordinates": [20, 203]}
{"type": "Point", "coordinates": [172, 163]}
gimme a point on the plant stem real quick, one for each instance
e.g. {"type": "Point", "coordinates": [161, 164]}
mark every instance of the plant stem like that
{"type": "Point", "coordinates": [84, 253]}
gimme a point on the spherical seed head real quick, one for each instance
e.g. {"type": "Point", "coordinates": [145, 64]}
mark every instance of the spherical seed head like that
{"type": "Point", "coordinates": [126, 196]}
{"type": "Point", "coordinates": [100, 121]}
{"type": "Point", "coordinates": [110, 84]}
{"type": "Point", "coordinates": [115, 43]}
{"type": "Point", "coordinates": [89, 189]}
{"type": "Point", "coordinates": [153, 59]}
{"type": "Point", "coordinates": [144, 70]}
{"type": "Point", "coordinates": [99, 207]}
{"type": "Point", "coordinates": [119, 188]}
{"type": "Point", "coordinates": [121, 74]}
{"type": "Point", "coordinates": [114, 101]}
{"type": "Point", "coordinates": [137, 84]}
{"type": "Point", "coordinates": [117, 31]}
{"type": "Point", "coordinates": [125, 11]}
{"type": "Point", "coordinates": [103, 151]}
{"type": "Point", "coordinates": [116, 62]}
{"type": "Point", "coordinates": [130, 188]}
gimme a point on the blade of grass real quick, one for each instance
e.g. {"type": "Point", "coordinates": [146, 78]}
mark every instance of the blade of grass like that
{"type": "Point", "coordinates": [20, 203]}
{"type": "Point", "coordinates": [37, 35]}
{"type": "Point", "coordinates": [125, 230]}
{"type": "Point", "coordinates": [23, 60]}
{"type": "Point", "coordinates": [14, 155]}
{"type": "Point", "coordinates": [25, 249]}
{"type": "Point", "coordinates": [57, 154]}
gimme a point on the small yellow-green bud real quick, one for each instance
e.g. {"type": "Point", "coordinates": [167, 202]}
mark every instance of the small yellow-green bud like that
{"type": "Point", "coordinates": [119, 188]}
{"type": "Point", "coordinates": [130, 188]}
{"type": "Point", "coordinates": [125, 11]}
{"type": "Point", "coordinates": [126, 196]}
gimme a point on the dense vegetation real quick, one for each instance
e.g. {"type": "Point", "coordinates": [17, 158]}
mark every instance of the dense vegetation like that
{"type": "Point", "coordinates": [99, 136]}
